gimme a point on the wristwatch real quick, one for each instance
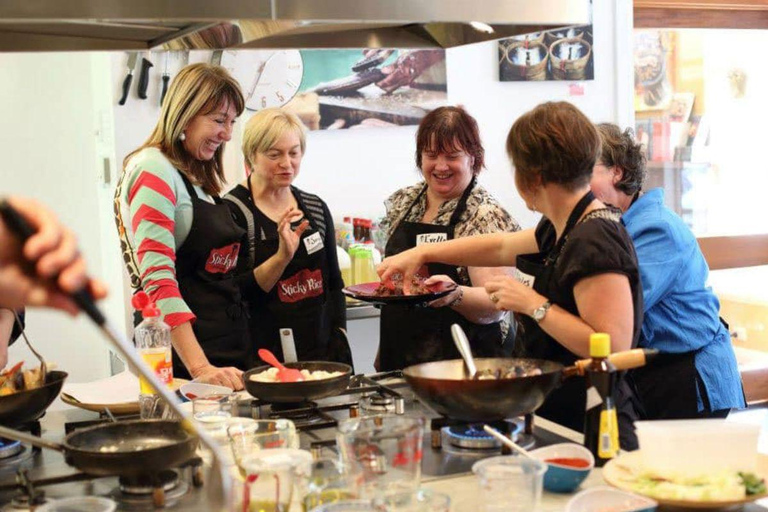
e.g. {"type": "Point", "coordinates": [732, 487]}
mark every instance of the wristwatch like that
{"type": "Point", "coordinates": [540, 312]}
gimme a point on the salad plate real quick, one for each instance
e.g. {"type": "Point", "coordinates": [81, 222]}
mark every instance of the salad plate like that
{"type": "Point", "coordinates": [625, 472]}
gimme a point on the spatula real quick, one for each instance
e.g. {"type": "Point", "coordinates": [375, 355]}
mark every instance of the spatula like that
{"type": "Point", "coordinates": [283, 374]}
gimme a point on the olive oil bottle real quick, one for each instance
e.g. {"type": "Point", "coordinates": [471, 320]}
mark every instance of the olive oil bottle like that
{"type": "Point", "coordinates": [601, 426]}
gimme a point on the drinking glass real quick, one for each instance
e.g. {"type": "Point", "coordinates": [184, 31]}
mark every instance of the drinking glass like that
{"type": "Point", "coordinates": [510, 483]}
{"type": "Point", "coordinates": [422, 500]}
{"type": "Point", "coordinates": [346, 506]}
{"type": "Point", "coordinates": [386, 450]}
{"type": "Point", "coordinates": [324, 481]}
{"type": "Point", "coordinates": [268, 484]}
{"type": "Point", "coordinates": [212, 412]}
{"type": "Point", "coordinates": [246, 438]}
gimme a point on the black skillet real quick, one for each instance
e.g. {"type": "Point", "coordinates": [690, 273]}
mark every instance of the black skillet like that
{"type": "Point", "coordinates": [124, 448]}
{"type": "Point", "coordinates": [28, 405]}
{"type": "Point", "coordinates": [303, 391]}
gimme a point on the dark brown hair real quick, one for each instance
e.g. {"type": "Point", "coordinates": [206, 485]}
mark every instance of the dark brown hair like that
{"type": "Point", "coordinates": [446, 127]}
{"type": "Point", "coordinates": [556, 142]}
{"type": "Point", "coordinates": [198, 89]}
{"type": "Point", "coordinates": [621, 150]}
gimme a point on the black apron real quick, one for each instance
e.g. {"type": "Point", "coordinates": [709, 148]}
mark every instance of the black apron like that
{"type": "Point", "coordinates": [299, 300]}
{"type": "Point", "coordinates": [566, 404]}
{"type": "Point", "coordinates": [411, 335]}
{"type": "Point", "coordinates": [205, 269]}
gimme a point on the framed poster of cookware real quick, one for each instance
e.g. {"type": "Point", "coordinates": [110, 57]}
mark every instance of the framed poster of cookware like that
{"type": "Point", "coordinates": [368, 88]}
{"type": "Point", "coordinates": [563, 54]}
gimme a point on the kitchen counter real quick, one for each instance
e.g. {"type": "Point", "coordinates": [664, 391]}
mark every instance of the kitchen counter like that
{"type": "Point", "coordinates": [462, 488]}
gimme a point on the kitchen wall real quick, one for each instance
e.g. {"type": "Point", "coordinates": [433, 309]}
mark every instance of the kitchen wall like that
{"type": "Point", "coordinates": [60, 108]}
{"type": "Point", "coordinates": [56, 131]}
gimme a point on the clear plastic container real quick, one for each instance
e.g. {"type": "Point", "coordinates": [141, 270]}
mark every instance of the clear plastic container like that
{"type": "Point", "coordinates": [345, 265]}
{"type": "Point", "coordinates": [79, 504]}
{"type": "Point", "coordinates": [510, 483]}
{"type": "Point", "coordinates": [696, 447]}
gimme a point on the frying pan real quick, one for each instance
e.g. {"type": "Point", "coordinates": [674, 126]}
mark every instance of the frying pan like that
{"type": "Point", "coordinates": [28, 405]}
{"type": "Point", "coordinates": [124, 448]}
{"type": "Point", "coordinates": [444, 387]}
{"type": "Point", "coordinates": [302, 391]}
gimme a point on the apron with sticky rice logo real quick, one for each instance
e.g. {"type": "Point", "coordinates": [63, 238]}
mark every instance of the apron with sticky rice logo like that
{"type": "Point", "coordinates": [205, 270]}
{"type": "Point", "coordinates": [298, 300]}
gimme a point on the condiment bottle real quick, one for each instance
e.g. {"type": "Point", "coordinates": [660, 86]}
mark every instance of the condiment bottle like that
{"type": "Point", "coordinates": [601, 426]}
{"type": "Point", "coordinates": [153, 341]}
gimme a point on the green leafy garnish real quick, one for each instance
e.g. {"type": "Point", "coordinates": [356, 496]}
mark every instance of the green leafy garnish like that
{"type": "Point", "coordinates": [752, 483]}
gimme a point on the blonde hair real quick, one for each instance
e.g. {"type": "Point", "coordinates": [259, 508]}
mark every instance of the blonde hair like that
{"type": "Point", "coordinates": [264, 129]}
{"type": "Point", "coordinates": [198, 89]}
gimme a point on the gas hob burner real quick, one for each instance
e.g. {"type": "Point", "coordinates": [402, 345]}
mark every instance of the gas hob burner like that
{"type": "Point", "coordinates": [146, 484]}
{"type": "Point", "coordinates": [473, 437]}
{"type": "Point", "coordinates": [159, 490]}
{"type": "Point", "coordinates": [21, 503]}
{"type": "Point", "coordinates": [377, 403]}
{"type": "Point", "coordinates": [9, 448]}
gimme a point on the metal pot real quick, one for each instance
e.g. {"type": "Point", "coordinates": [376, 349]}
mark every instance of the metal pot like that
{"type": "Point", "coordinates": [28, 405]}
{"type": "Point", "coordinates": [444, 386]}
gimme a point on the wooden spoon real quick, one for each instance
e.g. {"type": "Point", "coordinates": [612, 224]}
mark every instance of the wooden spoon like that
{"type": "Point", "coordinates": [283, 374]}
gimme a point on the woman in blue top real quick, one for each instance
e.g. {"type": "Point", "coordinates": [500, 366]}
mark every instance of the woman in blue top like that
{"type": "Point", "coordinates": [696, 374]}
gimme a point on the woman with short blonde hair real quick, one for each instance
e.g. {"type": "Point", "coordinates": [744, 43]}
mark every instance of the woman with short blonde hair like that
{"type": "Point", "coordinates": [289, 269]}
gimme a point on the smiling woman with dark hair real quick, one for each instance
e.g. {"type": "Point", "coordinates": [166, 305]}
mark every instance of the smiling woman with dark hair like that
{"type": "Point", "coordinates": [696, 374]}
{"type": "Point", "coordinates": [448, 204]}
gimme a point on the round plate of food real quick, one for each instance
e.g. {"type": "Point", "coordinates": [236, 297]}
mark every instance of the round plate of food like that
{"type": "Point", "coordinates": [718, 490]}
{"type": "Point", "coordinates": [392, 293]}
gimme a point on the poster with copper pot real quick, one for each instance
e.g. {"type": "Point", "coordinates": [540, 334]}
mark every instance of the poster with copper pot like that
{"type": "Point", "coordinates": [562, 54]}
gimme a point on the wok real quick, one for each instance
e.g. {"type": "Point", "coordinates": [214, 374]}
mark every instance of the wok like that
{"type": "Point", "coordinates": [444, 386]}
{"type": "Point", "coordinates": [303, 391]}
{"type": "Point", "coordinates": [28, 405]}
{"type": "Point", "coordinates": [124, 448]}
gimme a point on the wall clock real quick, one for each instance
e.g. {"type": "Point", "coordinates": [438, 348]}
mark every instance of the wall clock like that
{"type": "Point", "coordinates": [268, 78]}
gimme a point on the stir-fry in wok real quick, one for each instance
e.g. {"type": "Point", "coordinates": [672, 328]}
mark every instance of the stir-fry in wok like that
{"type": "Point", "coordinates": [15, 379]}
{"type": "Point", "coordinates": [509, 372]}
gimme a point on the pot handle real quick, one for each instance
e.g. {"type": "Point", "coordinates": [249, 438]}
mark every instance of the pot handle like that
{"type": "Point", "coordinates": [625, 360]}
{"type": "Point", "coordinates": [16, 435]}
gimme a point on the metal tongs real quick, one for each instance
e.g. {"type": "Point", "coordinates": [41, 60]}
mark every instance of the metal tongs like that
{"type": "Point", "coordinates": [220, 485]}
{"type": "Point", "coordinates": [43, 365]}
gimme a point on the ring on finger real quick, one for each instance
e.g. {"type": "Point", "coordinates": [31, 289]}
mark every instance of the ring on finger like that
{"type": "Point", "coordinates": [494, 298]}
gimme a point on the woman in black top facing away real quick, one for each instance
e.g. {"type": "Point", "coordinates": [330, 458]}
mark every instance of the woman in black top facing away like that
{"type": "Point", "coordinates": [289, 268]}
{"type": "Point", "coordinates": [576, 272]}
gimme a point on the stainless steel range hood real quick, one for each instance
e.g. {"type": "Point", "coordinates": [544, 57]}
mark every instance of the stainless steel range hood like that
{"type": "Point", "coordinates": [67, 25]}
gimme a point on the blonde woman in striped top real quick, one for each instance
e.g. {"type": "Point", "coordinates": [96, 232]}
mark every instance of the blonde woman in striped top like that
{"type": "Point", "coordinates": [179, 241]}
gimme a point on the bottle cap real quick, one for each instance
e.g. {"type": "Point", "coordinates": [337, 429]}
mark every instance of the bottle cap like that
{"type": "Point", "coordinates": [599, 344]}
{"type": "Point", "coordinates": [140, 301]}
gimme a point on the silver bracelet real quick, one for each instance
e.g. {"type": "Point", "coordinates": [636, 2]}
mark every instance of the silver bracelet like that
{"type": "Point", "coordinates": [455, 302]}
